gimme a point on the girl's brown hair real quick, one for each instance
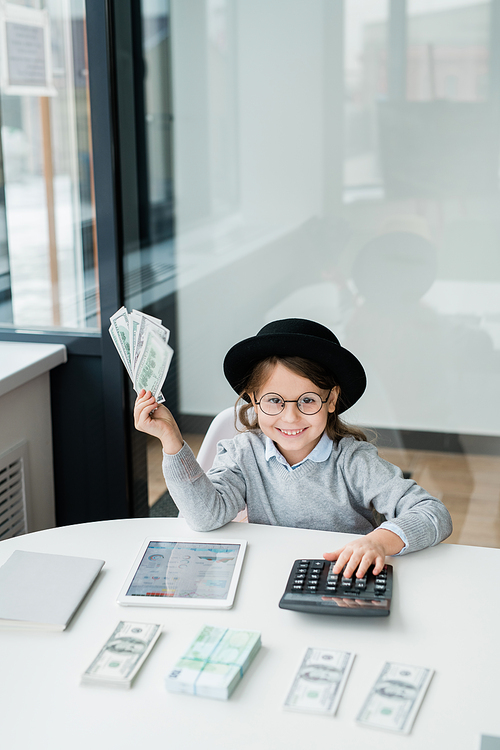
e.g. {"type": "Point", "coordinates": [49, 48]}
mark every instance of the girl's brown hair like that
{"type": "Point", "coordinates": [335, 428]}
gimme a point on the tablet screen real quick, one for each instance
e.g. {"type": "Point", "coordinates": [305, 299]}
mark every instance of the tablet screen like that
{"type": "Point", "coordinates": [186, 570]}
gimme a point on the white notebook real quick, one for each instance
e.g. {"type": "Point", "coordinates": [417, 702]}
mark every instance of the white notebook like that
{"type": "Point", "coordinates": [40, 591]}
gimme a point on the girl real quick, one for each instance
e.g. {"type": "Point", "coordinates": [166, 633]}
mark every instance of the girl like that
{"type": "Point", "coordinates": [297, 464]}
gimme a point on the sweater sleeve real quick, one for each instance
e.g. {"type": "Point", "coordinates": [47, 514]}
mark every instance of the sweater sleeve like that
{"type": "Point", "coordinates": [422, 518]}
{"type": "Point", "coordinates": [207, 501]}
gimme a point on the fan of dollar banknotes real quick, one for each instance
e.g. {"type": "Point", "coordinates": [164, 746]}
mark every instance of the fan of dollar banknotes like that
{"type": "Point", "coordinates": [142, 343]}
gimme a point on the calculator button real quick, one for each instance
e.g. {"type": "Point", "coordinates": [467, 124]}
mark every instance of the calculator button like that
{"type": "Point", "coordinates": [360, 584]}
{"type": "Point", "coordinates": [318, 564]}
{"type": "Point", "coordinates": [296, 587]}
{"type": "Point", "coordinates": [346, 582]}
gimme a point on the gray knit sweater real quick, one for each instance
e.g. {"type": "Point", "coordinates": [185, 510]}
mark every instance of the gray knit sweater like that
{"type": "Point", "coordinates": [338, 494]}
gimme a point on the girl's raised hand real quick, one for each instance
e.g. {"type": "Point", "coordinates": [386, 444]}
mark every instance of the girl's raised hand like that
{"type": "Point", "coordinates": [156, 420]}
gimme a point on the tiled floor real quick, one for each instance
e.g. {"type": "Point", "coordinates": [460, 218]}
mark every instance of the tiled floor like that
{"type": "Point", "coordinates": [469, 486]}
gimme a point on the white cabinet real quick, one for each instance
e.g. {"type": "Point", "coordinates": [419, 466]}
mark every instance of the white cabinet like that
{"type": "Point", "coordinates": [26, 470]}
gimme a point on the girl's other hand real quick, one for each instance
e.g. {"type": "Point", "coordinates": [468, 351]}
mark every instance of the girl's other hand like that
{"type": "Point", "coordinates": [358, 555]}
{"type": "Point", "coordinates": [156, 420]}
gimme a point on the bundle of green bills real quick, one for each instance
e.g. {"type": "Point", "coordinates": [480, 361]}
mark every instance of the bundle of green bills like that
{"type": "Point", "coordinates": [214, 663]}
{"type": "Point", "coordinates": [142, 343]}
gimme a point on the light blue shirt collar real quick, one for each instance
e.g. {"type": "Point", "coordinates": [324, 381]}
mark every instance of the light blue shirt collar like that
{"type": "Point", "coordinates": [321, 452]}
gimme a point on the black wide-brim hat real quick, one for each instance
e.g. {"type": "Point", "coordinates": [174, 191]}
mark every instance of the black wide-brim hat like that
{"type": "Point", "coordinates": [296, 337]}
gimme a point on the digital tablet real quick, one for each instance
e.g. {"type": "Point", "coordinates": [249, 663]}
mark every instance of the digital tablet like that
{"type": "Point", "coordinates": [168, 573]}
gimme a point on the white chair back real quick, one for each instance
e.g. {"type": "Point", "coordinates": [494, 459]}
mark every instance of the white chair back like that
{"type": "Point", "coordinates": [221, 427]}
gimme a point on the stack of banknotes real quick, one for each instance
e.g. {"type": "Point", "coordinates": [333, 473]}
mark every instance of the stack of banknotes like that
{"type": "Point", "coordinates": [142, 343]}
{"type": "Point", "coordinates": [214, 663]}
{"type": "Point", "coordinates": [123, 654]}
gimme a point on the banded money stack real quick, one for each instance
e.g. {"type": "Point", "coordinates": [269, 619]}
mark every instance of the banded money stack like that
{"type": "Point", "coordinates": [214, 663]}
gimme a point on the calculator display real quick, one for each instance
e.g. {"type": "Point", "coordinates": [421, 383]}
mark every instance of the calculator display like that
{"type": "Point", "coordinates": [338, 601]}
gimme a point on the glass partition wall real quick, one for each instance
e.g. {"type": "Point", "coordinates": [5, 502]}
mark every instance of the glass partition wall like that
{"type": "Point", "coordinates": [48, 249]}
{"type": "Point", "coordinates": [340, 161]}
{"type": "Point", "coordinates": [54, 181]}
{"type": "Point", "coordinates": [331, 160]}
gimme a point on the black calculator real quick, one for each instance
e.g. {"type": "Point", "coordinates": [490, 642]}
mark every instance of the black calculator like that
{"type": "Point", "coordinates": [313, 587]}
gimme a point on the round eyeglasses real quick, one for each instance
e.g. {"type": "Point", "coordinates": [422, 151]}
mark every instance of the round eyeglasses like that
{"type": "Point", "coordinates": [273, 404]}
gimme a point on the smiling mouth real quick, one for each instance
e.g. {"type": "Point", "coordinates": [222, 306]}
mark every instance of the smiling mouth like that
{"type": "Point", "coordinates": [291, 433]}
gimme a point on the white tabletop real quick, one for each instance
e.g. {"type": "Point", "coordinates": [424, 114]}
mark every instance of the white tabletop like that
{"type": "Point", "coordinates": [22, 361]}
{"type": "Point", "coordinates": [445, 615]}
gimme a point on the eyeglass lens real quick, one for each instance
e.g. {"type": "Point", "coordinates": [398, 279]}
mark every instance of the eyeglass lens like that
{"type": "Point", "coordinates": [308, 403]}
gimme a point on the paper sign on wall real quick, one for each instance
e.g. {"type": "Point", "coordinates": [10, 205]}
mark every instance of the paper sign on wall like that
{"type": "Point", "coordinates": [26, 55]}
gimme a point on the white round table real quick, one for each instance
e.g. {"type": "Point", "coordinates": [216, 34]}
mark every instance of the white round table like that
{"type": "Point", "coordinates": [445, 615]}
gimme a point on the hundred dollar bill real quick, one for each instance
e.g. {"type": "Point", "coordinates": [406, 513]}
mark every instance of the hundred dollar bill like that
{"type": "Point", "coordinates": [395, 698]}
{"type": "Point", "coordinates": [119, 332]}
{"type": "Point", "coordinates": [139, 324]}
{"type": "Point", "coordinates": [134, 322]}
{"type": "Point", "coordinates": [152, 365]}
{"type": "Point", "coordinates": [320, 681]}
{"type": "Point", "coordinates": [233, 646]}
{"type": "Point", "coordinates": [123, 654]}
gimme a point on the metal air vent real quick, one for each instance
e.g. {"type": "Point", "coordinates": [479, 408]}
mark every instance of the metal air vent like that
{"type": "Point", "coordinates": [13, 465]}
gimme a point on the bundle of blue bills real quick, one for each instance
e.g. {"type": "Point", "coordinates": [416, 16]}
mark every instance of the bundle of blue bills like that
{"type": "Point", "coordinates": [214, 663]}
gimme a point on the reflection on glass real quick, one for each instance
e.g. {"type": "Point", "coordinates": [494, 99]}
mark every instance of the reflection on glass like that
{"type": "Point", "coordinates": [47, 168]}
{"type": "Point", "coordinates": [366, 163]}
{"type": "Point", "coordinates": [149, 258]}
